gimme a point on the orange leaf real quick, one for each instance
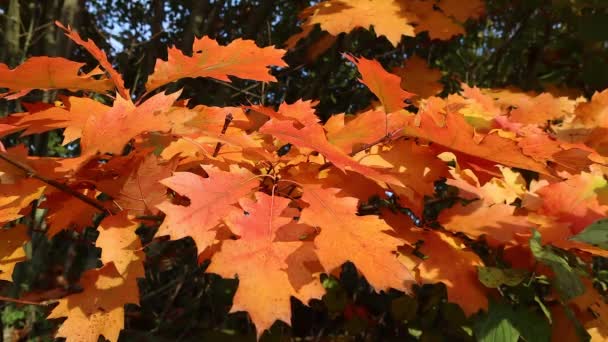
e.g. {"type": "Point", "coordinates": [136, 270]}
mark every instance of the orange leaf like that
{"type": "Point", "coordinates": [110, 131]}
{"type": "Point", "coordinates": [49, 73]}
{"type": "Point", "coordinates": [386, 86]}
{"type": "Point", "coordinates": [419, 78]}
{"type": "Point", "coordinates": [99, 309]}
{"type": "Point", "coordinates": [313, 137]}
{"type": "Point", "coordinates": [210, 200]}
{"type": "Point", "coordinates": [12, 249]}
{"type": "Point", "coordinates": [15, 197]}
{"type": "Point", "coordinates": [363, 240]}
{"type": "Point", "coordinates": [448, 128]}
{"type": "Point", "coordinates": [100, 56]}
{"type": "Point", "coordinates": [121, 246]}
{"type": "Point", "coordinates": [267, 270]}
{"type": "Point", "coordinates": [456, 267]}
{"type": "Point", "coordinates": [240, 58]}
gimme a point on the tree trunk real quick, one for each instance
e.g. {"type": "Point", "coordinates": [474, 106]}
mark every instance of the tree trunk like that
{"type": "Point", "coordinates": [198, 11]}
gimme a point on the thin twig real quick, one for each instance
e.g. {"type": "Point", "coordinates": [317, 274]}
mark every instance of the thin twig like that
{"type": "Point", "coordinates": [22, 301]}
{"type": "Point", "coordinates": [60, 186]}
{"type": "Point", "coordinates": [227, 122]}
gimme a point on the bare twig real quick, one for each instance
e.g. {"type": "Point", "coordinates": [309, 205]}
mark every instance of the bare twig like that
{"type": "Point", "coordinates": [227, 122]}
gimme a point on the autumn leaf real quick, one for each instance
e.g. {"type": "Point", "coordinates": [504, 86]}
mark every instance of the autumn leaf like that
{"type": "Point", "coordinates": [241, 58]}
{"type": "Point", "coordinates": [441, 124]}
{"type": "Point", "coordinates": [121, 246]}
{"type": "Point", "coordinates": [313, 137]}
{"type": "Point", "coordinates": [18, 196]}
{"type": "Point", "coordinates": [383, 84]}
{"type": "Point", "coordinates": [419, 78]}
{"type": "Point", "coordinates": [578, 200]}
{"type": "Point", "coordinates": [100, 56]}
{"type": "Point", "coordinates": [49, 73]}
{"type": "Point", "coordinates": [72, 116]}
{"type": "Point", "coordinates": [392, 19]}
{"type": "Point", "coordinates": [99, 309]}
{"type": "Point", "coordinates": [210, 198]}
{"type": "Point", "coordinates": [268, 275]}
{"type": "Point", "coordinates": [456, 267]}
{"type": "Point", "coordinates": [363, 240]}
{"type": "Point", "coordinates": [110, 131]}
{"type": "Point", "coordinates": [137, 187]}
{"type": "Point", "coordinates": [12, 249]}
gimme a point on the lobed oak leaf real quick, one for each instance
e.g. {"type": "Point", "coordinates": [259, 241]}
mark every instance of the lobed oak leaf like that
{"type": "Point", "coordinates": [16, 197]}
{"type": "Point", "coordinates": [268, 268]}
{"type": "Point", "coordinates": [121, 246]}
{"type": "Point", "coordinates": [313, 137]}
{"type": "Point", "coordinates": [456, 267]}
{"type": "Point", "coordinates": [79, 215]}
{"type": "Point", "coordinates": [498, 222]}
{"type": "Point", "coordinates": [72, 116]}
{"type": "Point", "coordinates": [419, 78]}
{"type": "Point", "coordinates": [449, 128]}
{"type": "Point", "coordinates": [391, 19]}
{"type": "Point", "coordinates": [388, 18]}
{"type": "Point", "coordinates": [12, 249]}
{"type": "Point", "coordinates": [386, 86]}
{"type": "Point", "coordinates": [578, 200]}
{"type": "Point", "coordinates": [111, 130]}
{"type": "Point", "coordinates": [137, 187]}
{"type": "Point", "coordinates": [100, 56]}
{"type": "Point", "coordinates": [99, 309]}
{"type": "Point", "coordinates": [363, 240]}
{"type": "Point", "coordinates": [48, 73]}
{"type": "Point", "coordinates": [211, 199]}
{"type": "Point", "coordinates": [240, 58]}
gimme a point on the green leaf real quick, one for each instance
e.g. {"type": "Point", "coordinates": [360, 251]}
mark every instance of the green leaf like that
{"type": "Point", "coordinates": [594, 234]}
{"type": "Point", "coordinates": [493, 277]}
{"type": "Point", "coordinates": [496, 325]}
{"type": "Point", "coordinates": [504, 323]}
{"type": "Point", "coordinates": [567, 282]}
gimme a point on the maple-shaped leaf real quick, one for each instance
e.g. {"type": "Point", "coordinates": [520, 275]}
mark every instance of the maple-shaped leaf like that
{"type": "Point", "coordinates": [313, 137]}
{"type": "Point", "coordinates": [99, 309]}
{"type": "Point", "coordinates": [241, 58]}
{"type": "Point", "coordinates": [12, 249]}
{"type": "Point", "coordinates": [439, 123]}
{"type": "Point", "coordinates": [268, 274]}
{"type": "Point", "coordinates": [15, 197]}
{"type": "Point", "coordinates": [363, 240]}
{"type": "Point", "coordinates": [110, 131]}
{"type": "Point", "coordinates": [100, 56]}
{"type": "Point", "coordinates": [386, 86]}
{"type": "Point", "coordinates": [137, 187]}
{"type": "Point", "coordinates": [211, 199]}
{"type": "Point", "coordinates": [121, 245]}
{"type": "Point", "coordinates": [417, 77]}
{"type": "Point", "coordinates": [49, 73]}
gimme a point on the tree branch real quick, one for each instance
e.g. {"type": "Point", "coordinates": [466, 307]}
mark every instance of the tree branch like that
{"type": "Point", "coordinates": [60, 186]}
